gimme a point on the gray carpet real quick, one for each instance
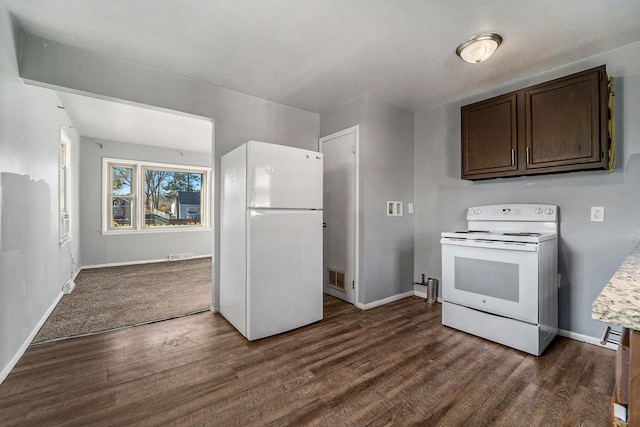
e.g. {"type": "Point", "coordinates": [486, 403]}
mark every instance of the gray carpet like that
{"type": "Point", "coordinates": [115, 297]}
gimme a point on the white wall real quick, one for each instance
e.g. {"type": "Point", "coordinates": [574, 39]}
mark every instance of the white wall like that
{"type": "Point", "coordinates": [33, 265]}
{"type": "Point", "coordinates": [238, 117]}
{"type": "Point", "coordinates": [386, 173]}
{"type": "Point", "coordinates": [99, 249]}
{"type": "Point", "coordinates": [589, 252]}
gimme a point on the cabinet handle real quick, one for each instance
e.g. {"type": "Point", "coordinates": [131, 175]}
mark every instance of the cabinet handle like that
{"type": "Point", "coordinates": [605, 336]}
{"type": "Point", "coordinates": [513, 157]}
{"type": "Point", "coordinates": [528, 156]}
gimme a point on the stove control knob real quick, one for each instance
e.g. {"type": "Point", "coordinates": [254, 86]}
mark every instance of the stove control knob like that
{"type": "Point", "coordinates": [549, 211]}
{"type": "Point", "coordinates": [478, 211]}
{"type": "Point", "coordinates": [537, 211]}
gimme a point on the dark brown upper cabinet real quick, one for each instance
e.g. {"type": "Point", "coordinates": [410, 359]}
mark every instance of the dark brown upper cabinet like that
{"type": "Point", "coordinates": [557, 126]}
{"type": "Point", "coordinates": [490, 137]}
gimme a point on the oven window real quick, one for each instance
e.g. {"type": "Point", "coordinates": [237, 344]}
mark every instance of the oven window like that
{"type": "Point", "coordinates": [491, 278]}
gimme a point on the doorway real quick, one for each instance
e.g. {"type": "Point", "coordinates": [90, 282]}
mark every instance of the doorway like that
{"type": "Point", "coordinates": [340, 248]}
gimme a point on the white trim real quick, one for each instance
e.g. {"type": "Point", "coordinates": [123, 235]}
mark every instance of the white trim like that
{"type": "Point", "coordinates": [424, 295]}
{"type": "Point", "coordinates": [585, 338]}
{"type": "Point", "coordinates": [68, 287]}
{"type": "Point", "coordinates": [154, 230]}
{"type": "Point", "coordinates": [170, 166]}
{"type": "Point", "coordinates": [25, 345]}
{"type": "Point", "coordinates": [420, 294]}
{"type": "Point", "coordinates": [147, 261]}
{"type": "Point", "coordinates": [356, 246]}
{"type": "Point", "coordinates": [384, 301]}
{"type": "Point", "coordinates": [64, 215]}
{"type": "Point", "coordinates": [215, 220]}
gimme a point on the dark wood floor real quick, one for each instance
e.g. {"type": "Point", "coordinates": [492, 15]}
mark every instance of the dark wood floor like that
{"type": "Point", "coordinates": [391, 365]}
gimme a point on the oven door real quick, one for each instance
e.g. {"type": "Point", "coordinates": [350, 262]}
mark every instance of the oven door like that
{"type": "Point", "coordinates": [495, 277]}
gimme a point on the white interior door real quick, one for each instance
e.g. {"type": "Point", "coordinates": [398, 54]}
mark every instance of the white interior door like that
{"type": "Point", "coordinates": [340, 214]}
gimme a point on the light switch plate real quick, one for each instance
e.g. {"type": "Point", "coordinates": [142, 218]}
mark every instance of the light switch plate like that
{"type": "Point", "coordinates": [597, 213]}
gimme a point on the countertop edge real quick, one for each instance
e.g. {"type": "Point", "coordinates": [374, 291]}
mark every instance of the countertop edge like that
{"type": "Point", "coordinates": [619, 301]}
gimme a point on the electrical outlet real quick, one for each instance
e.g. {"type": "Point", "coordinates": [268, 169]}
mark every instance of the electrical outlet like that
{"type": "Point", "coordinates": [394, 208]}
{"type": "Point", "coordinates": [597, 213]}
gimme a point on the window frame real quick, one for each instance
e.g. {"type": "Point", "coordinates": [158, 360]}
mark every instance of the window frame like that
{"type": "Point", "coordinates": [64, 188]}
{"type": "Point", "coordinates": [138, 196]}
{"type": "Point", "coordinates": [132, 196]}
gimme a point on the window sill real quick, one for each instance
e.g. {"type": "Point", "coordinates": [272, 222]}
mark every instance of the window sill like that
{"type": "Point", "coordinates": [154, 231]}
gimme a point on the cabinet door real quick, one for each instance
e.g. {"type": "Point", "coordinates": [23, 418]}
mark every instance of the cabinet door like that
{"type": "Point", "coordinates": [489, 138]}
{"type": "Point", "coordinates": [563, 124]}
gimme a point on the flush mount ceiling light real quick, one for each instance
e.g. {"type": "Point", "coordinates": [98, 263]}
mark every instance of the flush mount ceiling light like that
{"type": "Point", "coordinates": [479, 47]}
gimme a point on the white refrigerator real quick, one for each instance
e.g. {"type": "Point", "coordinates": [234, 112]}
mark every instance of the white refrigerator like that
{"type": "Point", "coordinates": [270, 238]}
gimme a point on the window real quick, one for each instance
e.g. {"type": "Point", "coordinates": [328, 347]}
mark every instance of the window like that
{"type": "Point", "coordinates": [63, 189]}
{"type": "Point", "coordinates": [143, 196]}
{"type": "Point", "coordinates": [121, 199]}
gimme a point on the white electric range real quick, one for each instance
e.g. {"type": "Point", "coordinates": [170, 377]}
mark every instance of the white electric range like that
{"type": "Point", "coordinates": [500, 276]}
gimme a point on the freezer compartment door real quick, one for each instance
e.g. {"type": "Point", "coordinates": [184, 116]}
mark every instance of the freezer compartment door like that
{"type": "Point", "coordinates": [284, 271]}
{"type": "Point", "coordinates": [286, 177]}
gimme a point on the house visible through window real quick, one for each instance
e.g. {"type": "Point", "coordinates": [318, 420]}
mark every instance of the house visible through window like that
{"type": "Point", "coordinates": [144, 196]}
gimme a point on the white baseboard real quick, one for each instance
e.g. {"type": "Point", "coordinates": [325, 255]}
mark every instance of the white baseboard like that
{"type": "Point", "coordinates": [16, 357]}
{"type": "Point", "coordinates": [148, 261]}
{"type": "Point", "coordinates": [585, 338]}
{"type": "Point", "coordinates": [420, 294]}
{"type": "Point", "coordinates": [384, 301]}
{"type": "Point", "coordinates": [68, 287]}
{"type": "Point", "coordinates": [424, 295]}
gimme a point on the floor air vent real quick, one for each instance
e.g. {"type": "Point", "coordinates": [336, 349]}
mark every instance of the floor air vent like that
{"type": "Point", "coordinates": [178, 257]}
{"type": "Point", "coordinates": [336, 279]}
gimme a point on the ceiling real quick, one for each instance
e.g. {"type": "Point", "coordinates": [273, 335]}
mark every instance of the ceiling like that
{"type": "Point", "coordinates": [137, 124]}
{"type": "Point", "coordinates": [317, 54]}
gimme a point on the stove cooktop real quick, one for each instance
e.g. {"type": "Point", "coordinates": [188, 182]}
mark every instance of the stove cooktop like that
{"type": "Point", "coordinates": [528, 223]}
{"type": "Point", "coordinates": [505, 236]}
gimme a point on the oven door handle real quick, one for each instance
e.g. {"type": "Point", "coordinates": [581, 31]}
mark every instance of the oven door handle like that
{"type": "Point", "coordinates": [491, 244]}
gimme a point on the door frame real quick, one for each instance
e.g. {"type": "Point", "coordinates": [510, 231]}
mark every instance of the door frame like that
{"type": "Point", "coordinates": [356, 232]}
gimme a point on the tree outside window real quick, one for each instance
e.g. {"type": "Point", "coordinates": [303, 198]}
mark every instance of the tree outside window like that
{"type": "Point", "coordinates": [169, 194]}
{"type": "Point", "coordinates": [122, 203]}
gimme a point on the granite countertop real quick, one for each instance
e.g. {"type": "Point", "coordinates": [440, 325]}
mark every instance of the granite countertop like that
{"type": "Point", "coordinates": [619, 302]}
